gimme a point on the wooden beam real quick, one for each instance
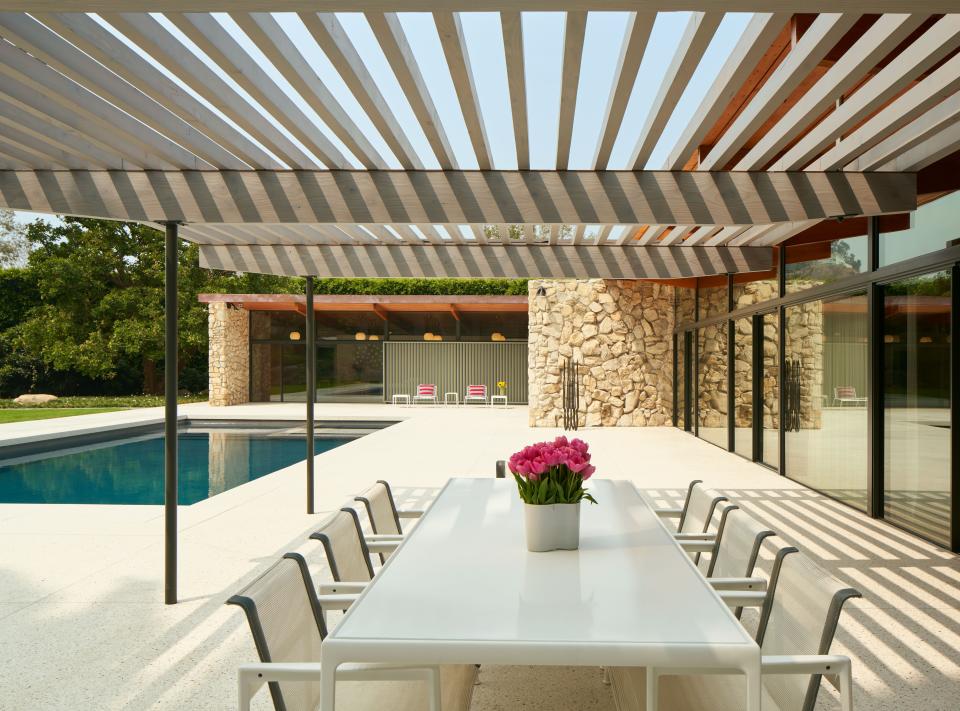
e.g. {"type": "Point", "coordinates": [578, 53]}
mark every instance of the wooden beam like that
{"type": "Point", "coordinates": [756, 40]}
{"type": "Point", "coordinates": [454, 46]}
{"type": "Point", "coordinates": [574, 31]}
{"type": "Point", "coordinates": [694, 42]}
{"type": "Point", "coordinates": [512, 28]}
{"type": "Point", "coordinates": [934, 45]}
{"type": "Point", "coordinates": [863, 57]}
{"type": "Point", "coordinates": [914, 103]}
{"type": "Point", "coordinates": [824, 33]}
{"type": "Point", "coordinates": [467, 197]}
{"type": "Point", "coordinates": [853, 6]}
{"type": "Point", "coordinates": [488, 261]}
{"type": "Point", "coordinates": [940, 117]}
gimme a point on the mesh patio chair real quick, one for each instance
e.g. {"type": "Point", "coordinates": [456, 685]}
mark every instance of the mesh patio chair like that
{"type": "Point", "coordinates": [284, 614]}
{"type": "Point", "coordinates": [382, 510]}
{"type": "Point", "coordinates": [799, 618]}
{"type": "Point", "coordinates": [695, 519]}
{"type": "Point", "coordinates": [383, 514]}
{"type": "Point", "coordinates": [733, 552]}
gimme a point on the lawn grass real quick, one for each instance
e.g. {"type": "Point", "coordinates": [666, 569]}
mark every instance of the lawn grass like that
{"type": "Point", "coordinates": [26, 414]}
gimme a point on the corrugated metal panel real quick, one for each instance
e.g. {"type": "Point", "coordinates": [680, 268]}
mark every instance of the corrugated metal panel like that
{"type": "Point", "coordinates": [452, 366]}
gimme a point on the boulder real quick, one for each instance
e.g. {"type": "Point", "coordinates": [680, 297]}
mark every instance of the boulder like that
{"type": "Point", "coordinates": [38, 399]}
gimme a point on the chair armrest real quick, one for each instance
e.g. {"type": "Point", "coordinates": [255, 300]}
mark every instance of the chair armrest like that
{"type": "Point", "coordinates": [696, 545]}
{"type": "Point", "coordinates": [739, 598]}
{"type": "Point", "coordinates": [837, 670]}
{"type": "Point", "coordinates": [668, 513]}
{"type": "Point", "coordinates": [410, 513]}
{"type": "Point", "coordinates": [695, 536]}
{"type": "Point", "coordinates": [336, 602]}
{"type": "Point", "coordinates": [375, 546]}
{"type": "Point", "coordinates": [341, 588]}
{"type": "Point", "coordinates": [738, 583]}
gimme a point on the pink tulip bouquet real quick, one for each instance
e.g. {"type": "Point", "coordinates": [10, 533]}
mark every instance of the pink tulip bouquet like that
{"type": "Point", "coordinates": [553, 472]}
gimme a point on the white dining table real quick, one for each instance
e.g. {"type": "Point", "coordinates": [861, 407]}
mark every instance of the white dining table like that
{"type": "Point", "coordinates": [463, 589]}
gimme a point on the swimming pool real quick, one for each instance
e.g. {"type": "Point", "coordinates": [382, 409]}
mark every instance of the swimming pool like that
{"type": "Point", "coordinates": [129, 469]}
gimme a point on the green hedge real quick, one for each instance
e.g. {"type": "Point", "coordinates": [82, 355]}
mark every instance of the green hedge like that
{"type": "Point", "coordinates": [412, 287]}
{"type": "Point", "coordinates": [103, 401]}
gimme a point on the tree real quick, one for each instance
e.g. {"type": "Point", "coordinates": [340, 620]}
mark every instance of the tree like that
{"type": "Point", "coordinates": [13, 246]}
{"type": "Point", "coordinates": [101, 300]}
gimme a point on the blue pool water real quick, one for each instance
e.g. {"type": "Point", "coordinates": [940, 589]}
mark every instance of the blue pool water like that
{"type": "Point", "coordinates": [130, 471]}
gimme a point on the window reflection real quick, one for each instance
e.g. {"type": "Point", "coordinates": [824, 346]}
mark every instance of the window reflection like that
{"type": "Point", "coordinates": [712, 384]}
{"type": "Point", "coordinates": [743, 387]}
{"type": "Point", "coordinates": [825, 406]}
{"type": "Point", "coordinates": [916, 398]}
{"type": "Point", "coordinates": [811, 265]}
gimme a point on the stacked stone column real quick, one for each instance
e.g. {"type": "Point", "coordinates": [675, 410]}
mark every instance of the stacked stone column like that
{"type": "Point", "coordinates": [229, 365]}
{"type": "Point", "coordinates": [620, 331]}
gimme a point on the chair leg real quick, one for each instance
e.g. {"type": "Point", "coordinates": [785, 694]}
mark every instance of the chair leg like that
{"type": "Point", "coordinates": [605, 675]}
{"type": "Point", "coordinates": [652, 689]}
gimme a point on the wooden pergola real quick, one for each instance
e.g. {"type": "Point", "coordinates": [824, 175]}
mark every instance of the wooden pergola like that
{"type": "Point", "coordinates": [221, 129]}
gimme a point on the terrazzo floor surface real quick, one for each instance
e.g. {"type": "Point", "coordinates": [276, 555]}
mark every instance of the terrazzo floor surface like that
{"type": "Point", "coordinates": [82, 624]}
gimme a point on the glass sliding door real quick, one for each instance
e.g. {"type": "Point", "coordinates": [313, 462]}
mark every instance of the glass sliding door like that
{"type": "Point", "coordinates": [916, 404]}
{"type": "Point", "coordinates": [770, 391]}
{"type": "Point", "coordinates": [825, 407]}
{"type": "Point", "coordinates": [712, 384]}
{"type": "Point", "coordinates": [743, 387]}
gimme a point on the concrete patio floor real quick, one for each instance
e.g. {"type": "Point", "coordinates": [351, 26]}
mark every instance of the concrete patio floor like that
{"type": "Point", "coordinates": [82, 624]}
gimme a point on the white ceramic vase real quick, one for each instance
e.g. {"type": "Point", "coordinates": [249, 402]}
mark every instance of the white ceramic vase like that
{"type": "Point", "coordinates": [552, 527]}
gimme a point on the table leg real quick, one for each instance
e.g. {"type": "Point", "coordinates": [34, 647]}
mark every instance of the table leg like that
{"type": "Point", "coordinates": [328, 678]}
{"type": "Point", "coordinates": [752, 673]}
{"type": "Point", "coordinates": [653, 690]}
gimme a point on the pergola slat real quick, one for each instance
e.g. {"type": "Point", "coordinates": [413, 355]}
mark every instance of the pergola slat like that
{"type": "Point", "coordinates": [931, 47]}
{"type": "Point", "coordinates": [825, 31]}
{"type": "Point", "coordinates": [218, 44]}
{"type": "Point", "coordinates": [479, 197]}
{"type": "Point", "coordinates": [696, 37]}
{"type": "Point", "coordinates": [48, 83]}
{"type": "Point", "coordinates": [454, 46]}
{"type": "Point", "coordinates": [575, 28]}
{"type": "Point", "coordinates": [862, 57]}
{"type": "Point", "coordinates": [277, 46]}
{"type": "Point", "coordinates": [45, 44]}
{"type": "Point", "coordinates": [924, 96]}
{"type": "Point", "coordinates": [148, 34]}
{"type": "Point", "coordinates": [39, 104]}
{"type": "Point", "coordinates": [940, 117]}
{"type": "Point", "coordinates": [57, 134]}
{"type": "Point", "coordinates": [332, 38]}
{"type": "Point", "coordinates": [651, 234]}
{"type": "Point", "coordinates": [396, 48]}
{"type": "Point", "coordinates": [753, 44]}
{"type": "Point", "coordinates": [676, 235]}
{"type": "Point", "coordinates": [639, 26]}
{"type": "Point", "coordinates": [929, 151]}
{"type": "Point", "coordinates": [512, 28]}
{"type": "Point", "coordinates": [107, 49]}
{"type": "Point", "coordinates": [487, 261]}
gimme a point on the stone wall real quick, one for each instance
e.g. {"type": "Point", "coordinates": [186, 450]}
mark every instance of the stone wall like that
{"type": "Point", "coordinates": [620, 331]}
{"type": "Point", "coordinates": [229, 330]}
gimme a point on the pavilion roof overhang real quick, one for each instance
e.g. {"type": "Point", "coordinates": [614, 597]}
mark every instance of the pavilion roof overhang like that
{"type": "Point", "coordinates": [117, 116]}
{"type": "Point", "coordinates": [375, 303]}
